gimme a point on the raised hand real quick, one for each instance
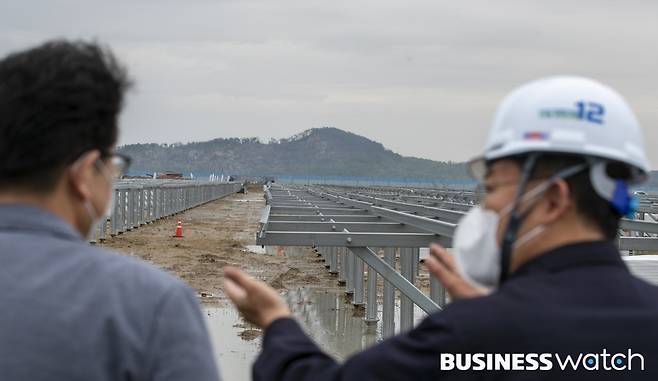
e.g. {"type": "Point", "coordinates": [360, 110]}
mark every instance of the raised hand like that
{"type": "Point", "coordinates": [442, 265]}
{"type": "Point", "coordinates": [259, 303]}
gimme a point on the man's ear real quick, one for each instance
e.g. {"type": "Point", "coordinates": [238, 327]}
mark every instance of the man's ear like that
{"type": "Point", "coordinates": [558, 201]}
{"type": "Point", "coordinates": [81, 174]}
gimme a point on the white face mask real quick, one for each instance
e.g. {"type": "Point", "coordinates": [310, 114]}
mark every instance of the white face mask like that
{"type": "Point", "coordinates": [475, 247]}
{"type": "Point", "coordinates": [107, 213]}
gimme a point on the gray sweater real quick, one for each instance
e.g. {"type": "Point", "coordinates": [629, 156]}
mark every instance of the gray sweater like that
{"type": "Point", "coordinates": [71, 311]}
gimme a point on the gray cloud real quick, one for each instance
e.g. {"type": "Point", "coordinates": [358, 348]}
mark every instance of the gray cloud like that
{"type": "Point", "coordinates": [422, 77]}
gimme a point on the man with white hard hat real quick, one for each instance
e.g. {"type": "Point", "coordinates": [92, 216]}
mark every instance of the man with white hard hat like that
{"type": "Point", "coordinates": [538, 286]}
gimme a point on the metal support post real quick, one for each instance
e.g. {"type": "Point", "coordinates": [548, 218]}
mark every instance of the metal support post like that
{"type": "Point", "coordinates": [349, 285]}
{"type": "Point", "coordinates": [388, 302]}
{"type": "Point", "coordinates": [342, 274]}
{"type": "Point", "coordinates": [358, 282]}
{"type": "Point", "coordinates": [406, 306]}
{"type": "Point", "coordinates": [371, 304]}
{"type": "Point", "coordinates": [333, 260]}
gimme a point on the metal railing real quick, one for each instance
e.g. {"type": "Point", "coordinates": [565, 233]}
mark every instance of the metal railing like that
{"type": "Point", "coordinates": [637, 234]}
{"type": "Point", "coordinates": [363, 233]}
{"type": "Point", "coordinates": [356, 239]}
{"type": "Point", "coordinates": [140, 202]}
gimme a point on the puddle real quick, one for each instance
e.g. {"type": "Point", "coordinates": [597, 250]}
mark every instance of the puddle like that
{"type": "Point", "coordinates": [324, 315]}
{"type": "Point", "coordinates": [234, 355]}
{"type": "Point", "coordinates": [330, 321]}
{"type": "Point", "coordinates": [256, 249]}
{"type": "Point", "coordinates": [279, 251]}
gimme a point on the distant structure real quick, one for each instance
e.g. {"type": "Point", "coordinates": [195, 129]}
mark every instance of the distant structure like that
{"type": "Point", "coordinates": [169, 175]}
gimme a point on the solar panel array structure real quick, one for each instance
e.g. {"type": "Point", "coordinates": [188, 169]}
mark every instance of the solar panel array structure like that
{"type": "Point", "coordinates": [364, 232]}
{"type": "Point", "coordinates": [139, 202]}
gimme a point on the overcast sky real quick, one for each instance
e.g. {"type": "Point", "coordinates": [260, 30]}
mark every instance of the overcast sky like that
{"type": "Point", "coordinates": [421, 77]}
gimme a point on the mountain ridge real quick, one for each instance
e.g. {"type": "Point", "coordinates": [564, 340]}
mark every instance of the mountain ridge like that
{"type": "Point", "coordinates": [325, 151]}
{"type": "Point", "coordinates": [316, 152]}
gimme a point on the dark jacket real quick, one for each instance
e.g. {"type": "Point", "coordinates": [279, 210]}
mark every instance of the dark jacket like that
{"type": "Point", "coordinates": [577, 299]}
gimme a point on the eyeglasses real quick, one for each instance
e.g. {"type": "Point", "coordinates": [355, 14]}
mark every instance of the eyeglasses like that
{"type": "Point", "coordinates": [118, 164]}
{"type": "Point", "coordinates": [484, 189]}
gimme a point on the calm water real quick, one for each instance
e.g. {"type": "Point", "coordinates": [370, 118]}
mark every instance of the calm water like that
{"type": "Point", "coordinates": [323, 314]}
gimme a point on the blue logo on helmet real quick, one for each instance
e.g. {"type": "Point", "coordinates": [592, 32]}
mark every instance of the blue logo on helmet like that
{"type": "Point", "coordinates": [591, 112]}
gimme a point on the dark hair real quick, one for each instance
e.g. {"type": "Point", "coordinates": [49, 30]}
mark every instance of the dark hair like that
{"type": "Point", "coordinates": [595, 210]}
{"type": "Point", "coordinates": [57, 101]}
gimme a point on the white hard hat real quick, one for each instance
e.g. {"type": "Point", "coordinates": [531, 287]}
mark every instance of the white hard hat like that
{"type": "Point", "coordinates": [571, 115]}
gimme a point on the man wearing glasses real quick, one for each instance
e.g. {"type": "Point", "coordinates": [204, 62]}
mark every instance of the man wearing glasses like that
{"type": "Point", "coordinates": [71, 311]}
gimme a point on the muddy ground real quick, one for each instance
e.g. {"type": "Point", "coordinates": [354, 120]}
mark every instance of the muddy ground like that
{"type": "Point", "coordinates": [217, 234]}
{"type": "Point", "coordinates": [221, 233]}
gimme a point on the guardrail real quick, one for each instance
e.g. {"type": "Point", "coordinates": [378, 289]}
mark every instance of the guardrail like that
{"type": "Point", "coordinates": [380, 227]}
{"type": "Point", "coordinates": [139, 202]}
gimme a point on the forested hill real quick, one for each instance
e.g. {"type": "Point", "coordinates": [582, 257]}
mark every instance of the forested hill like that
{"type": "Point", "coordinates": [315, 152]}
